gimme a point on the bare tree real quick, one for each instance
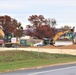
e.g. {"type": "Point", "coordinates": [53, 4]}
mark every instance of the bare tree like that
{"type": "Point", "coordinates": [52, 22]}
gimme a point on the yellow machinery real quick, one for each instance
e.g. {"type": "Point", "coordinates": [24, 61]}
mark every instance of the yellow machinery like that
{"type": "Point", "coordinates": [58, 35]}
{"type": "Point", "coordinates": [7, 38]}
{"type": "Point", "coordinates": [2, 33]}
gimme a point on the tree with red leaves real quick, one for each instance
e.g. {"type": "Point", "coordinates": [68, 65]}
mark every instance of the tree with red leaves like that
{"type": "Point", "coordinates": [40, 26]}
{"type": "Point", "coordinates": [11, 25]}
{"type": "Point", "coordinates": [44, 32]}
{"type": "Point", "coordinates": [37, 21]}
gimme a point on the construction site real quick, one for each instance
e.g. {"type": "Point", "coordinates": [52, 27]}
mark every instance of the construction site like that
{"type": "Point", "coordinates": [63, 39]}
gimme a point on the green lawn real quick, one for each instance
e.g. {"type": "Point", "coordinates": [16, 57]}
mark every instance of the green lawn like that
{"type": "Point", "coordinates": [10, 60]}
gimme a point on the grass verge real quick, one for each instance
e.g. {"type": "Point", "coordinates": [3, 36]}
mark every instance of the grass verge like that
{"type": "Point", "coordinates": [10, 60]}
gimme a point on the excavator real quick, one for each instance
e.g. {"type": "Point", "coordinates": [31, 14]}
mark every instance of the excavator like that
{"type": "Point", "coordinates": [6, 37]}
{"type": "Point", "coordinates": [1, 33]}
{"type": "Point", "coordinates": [67, 37]}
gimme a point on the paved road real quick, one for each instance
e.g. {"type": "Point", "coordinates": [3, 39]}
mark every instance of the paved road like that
{"type": "Point", "coordinates": [69, 69]}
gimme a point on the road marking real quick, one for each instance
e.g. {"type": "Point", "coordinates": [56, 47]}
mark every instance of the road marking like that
{"type": "Point", "coordinates": [52, 70]}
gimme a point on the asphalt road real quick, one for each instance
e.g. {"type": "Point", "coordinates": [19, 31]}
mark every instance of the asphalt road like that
{"type": "Point", "coordinates": [69, 69]}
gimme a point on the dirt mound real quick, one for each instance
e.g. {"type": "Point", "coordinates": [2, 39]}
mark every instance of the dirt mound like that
{"type": "Point", "coordinates": [58, 47]}
{"type": "Point", "coordinates": [69, 47]}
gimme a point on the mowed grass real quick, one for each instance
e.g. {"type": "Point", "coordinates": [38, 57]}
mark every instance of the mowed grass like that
{"type": "Point", "coordinates": [10, 60]}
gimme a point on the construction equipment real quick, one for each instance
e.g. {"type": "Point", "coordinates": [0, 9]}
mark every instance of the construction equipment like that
{"type": "Point", "coordinates": [63, 37]}
{"type": "Point", "coordinates": [1, 36]}
{"type": "Point", "coordinates": [46, 41]}
{"type": "Point", "coordinates": [11, 41]}
{"type": "Point", "coordinates": [1, 33]}
{"type": "Point", "coordinates": [7, 39]}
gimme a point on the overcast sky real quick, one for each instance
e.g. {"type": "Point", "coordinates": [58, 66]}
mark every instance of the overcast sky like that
{"type": "Point", "coordinates": [64, 11]}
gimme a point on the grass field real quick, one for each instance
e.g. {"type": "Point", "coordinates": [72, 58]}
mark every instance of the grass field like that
{"type": "Point", "coordinates": [10, 60]}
